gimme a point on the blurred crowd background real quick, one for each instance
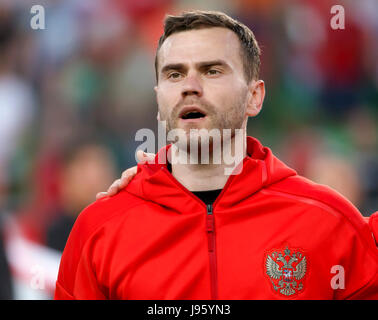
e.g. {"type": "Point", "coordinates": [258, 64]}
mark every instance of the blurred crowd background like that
{"type": "Point", "coordinates": [72, 97]}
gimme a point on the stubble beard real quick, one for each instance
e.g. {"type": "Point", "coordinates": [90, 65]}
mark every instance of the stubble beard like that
{"type": "Point", "coordinates": [229, 120]}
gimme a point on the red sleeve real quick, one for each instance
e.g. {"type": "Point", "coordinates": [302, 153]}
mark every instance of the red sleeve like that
{"type": "Point", "coordinates": [76, 277]}
{"type": "Point", "coordinates": [373, 224]}
{"type": "Point", "coordinates": [61, 293]}
{"type": "Point", "coordinates": [363, 264]}
{"type": "Point", "coordinates": [370, 290]}
{"type": "Point", "coordinates": [367, 292]}
{"type": "Point", "coordinates": [81, 284]}
{"type": "Point", "coordinates": [355, 247]}
{"type": "Point", "coordinates": [77, 271]}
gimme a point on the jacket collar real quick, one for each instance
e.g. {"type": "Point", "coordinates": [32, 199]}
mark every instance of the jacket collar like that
{"type": "Point", "coordinates": [155, 183]}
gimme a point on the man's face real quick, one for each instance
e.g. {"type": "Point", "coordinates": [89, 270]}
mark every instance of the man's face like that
{"type": "Point", "coordinates": [201, 81]}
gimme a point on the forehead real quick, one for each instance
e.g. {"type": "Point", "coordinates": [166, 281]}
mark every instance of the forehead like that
{"type": "Point", "coordinates": [198, 45]}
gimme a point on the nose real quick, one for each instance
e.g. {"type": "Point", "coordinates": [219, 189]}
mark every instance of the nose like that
{"type": "Point", "coordinates": [192, 86]}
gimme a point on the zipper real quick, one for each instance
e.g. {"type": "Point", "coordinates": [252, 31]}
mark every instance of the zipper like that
{"type": "Point", "coordinates": [210, 229]}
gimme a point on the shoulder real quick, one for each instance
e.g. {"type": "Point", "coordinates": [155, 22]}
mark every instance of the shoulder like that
{"type": "Point", "coordinates": [87, 225]}
{"type": "Point", "coordinates": [325, 200]}
{"type": "Point", "coordinates": [305, 190]}
{"type": "Point", "coordinates": [103, 211]}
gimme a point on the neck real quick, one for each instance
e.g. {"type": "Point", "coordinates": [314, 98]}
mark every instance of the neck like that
{"type": "Point", "coordinates": [210, 175]}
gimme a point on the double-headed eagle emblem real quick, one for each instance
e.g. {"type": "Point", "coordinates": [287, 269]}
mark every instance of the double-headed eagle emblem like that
{"type": "Point", "coordinates": [286, 271]}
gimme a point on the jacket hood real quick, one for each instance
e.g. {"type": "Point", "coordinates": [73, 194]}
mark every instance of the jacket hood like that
{"type": "Point", "coordinates": [155, 183]}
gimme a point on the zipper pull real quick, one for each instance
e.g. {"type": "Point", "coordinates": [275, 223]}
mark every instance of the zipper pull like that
{"type": "Point", "coordinates": [210, 227]}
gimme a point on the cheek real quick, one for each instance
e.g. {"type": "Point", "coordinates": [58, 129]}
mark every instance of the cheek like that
{"type": "Point", "coordinates": [227, 97]}
{"type": "Point", "coordinates": [166, 98]}
{"type": "Point", "coordinates": [162, 105]}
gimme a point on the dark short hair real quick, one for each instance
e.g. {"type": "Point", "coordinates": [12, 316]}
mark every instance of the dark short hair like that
{"type": "Point", "coordinates": [192, 20]}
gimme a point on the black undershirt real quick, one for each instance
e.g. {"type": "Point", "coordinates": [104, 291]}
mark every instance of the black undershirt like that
{"type": "Point", "coordinates": [208, 197]}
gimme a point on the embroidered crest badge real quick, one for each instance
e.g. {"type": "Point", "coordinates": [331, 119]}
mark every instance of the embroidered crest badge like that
{"type": "Point", "coordinates": [286, 271]}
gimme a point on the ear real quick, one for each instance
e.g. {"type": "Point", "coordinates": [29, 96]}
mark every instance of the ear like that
{"type": "Point", "coordinates": [256, 96]}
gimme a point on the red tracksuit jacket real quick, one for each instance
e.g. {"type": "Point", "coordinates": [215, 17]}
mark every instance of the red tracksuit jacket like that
{"type": "Point", "coordinates": [271, 234]}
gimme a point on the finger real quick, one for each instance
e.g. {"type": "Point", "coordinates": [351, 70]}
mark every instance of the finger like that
{"type": "Point", "coordinates": [150, 156]}
{"type": "Point", "coordinates": [125, 181]}
{"type": "Point", "coordinates": [127, 176]}
{"type": "Point", "coordinates": [140, 155]}
{"type": "Point", "coordinates": [114, 188]}
{"type": "Point", "coordinates": [145, 156]}
{"type": "Point", "coordinates": [101, 195]}
{"type": "Point", "coordinates": [129, 172]}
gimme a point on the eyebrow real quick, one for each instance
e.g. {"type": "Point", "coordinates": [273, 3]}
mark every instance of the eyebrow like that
{"type": "Point", "coordinates": [199, 65]}
{"type": "Point", "coordinates": [173, 66]}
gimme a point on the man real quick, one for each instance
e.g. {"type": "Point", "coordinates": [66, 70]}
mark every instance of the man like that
{"type": "Point", "coordinates": [188, 231]}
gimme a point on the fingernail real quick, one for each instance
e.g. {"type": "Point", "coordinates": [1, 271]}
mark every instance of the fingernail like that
{"type": "Point", "coordinates": [100, 195]}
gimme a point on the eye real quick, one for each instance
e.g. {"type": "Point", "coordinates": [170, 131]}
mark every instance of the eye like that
{"type": "Point", "coordinates": [174, 75]}
{"type": "Point", "coordinates": [213, 72]}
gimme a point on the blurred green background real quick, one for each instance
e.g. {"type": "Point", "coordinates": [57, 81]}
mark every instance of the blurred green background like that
{"type": "Point", "coordinates": [72, 97]}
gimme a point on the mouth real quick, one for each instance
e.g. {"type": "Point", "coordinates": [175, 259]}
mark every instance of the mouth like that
{"type": "Point", "coordinates": [192, 113]}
